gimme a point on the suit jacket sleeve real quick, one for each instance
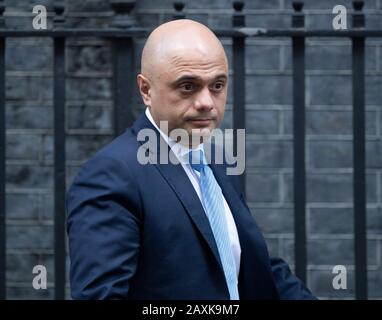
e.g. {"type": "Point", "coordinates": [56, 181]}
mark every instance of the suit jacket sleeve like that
{"type": "Point", "coordinates": [288, 285]}
{"type": "Point", "coordinates": [104, 230]}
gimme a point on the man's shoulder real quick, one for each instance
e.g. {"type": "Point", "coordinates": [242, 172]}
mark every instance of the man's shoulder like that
{"type": "Point", "coordinates": [118, 156]}
{"type": "Point", "coordinates": [121, 148]}
{"type": "Point", "coordinates": [125, 146]}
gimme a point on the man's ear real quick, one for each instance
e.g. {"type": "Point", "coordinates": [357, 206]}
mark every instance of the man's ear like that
{"type": "Point", "coordinates": [144, 89]}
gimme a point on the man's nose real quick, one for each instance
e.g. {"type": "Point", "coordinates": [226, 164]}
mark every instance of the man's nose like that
{"type": "Point", "coordinates": [204, 99]}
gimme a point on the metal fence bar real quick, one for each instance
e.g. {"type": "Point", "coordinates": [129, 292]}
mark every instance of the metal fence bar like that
{"type": "Point", "coordinates": [59, 160]}
{"type": "Point", "coordinates": [238, 112]}
{"type": "Point", "coordinates": [123, 53]}
{"type": "Point", "coordinates": [123, 84]}
{"type": "Point", "coordinates": [59, 167]}
{"type": "Point", "coordinates": [240, 32]}
{"type": "Point", "coordinates": [3, 263]}
{"type": "Point", "coordinates": [299, 174]}
{"type": "Point", "coordinates": [359, 178]}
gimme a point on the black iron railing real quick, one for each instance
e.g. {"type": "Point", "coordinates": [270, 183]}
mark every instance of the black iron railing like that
{"type": "Point", "coordinates": [122, 33]}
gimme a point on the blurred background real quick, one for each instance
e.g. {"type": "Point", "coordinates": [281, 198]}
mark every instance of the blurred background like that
{"type": "Point", "coordinates": [89, 124]}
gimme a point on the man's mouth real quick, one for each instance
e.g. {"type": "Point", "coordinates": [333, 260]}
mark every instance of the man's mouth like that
{"type": "Point", "coordinates": [201, 121]}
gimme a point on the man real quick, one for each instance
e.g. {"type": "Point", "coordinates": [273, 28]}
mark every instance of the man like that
{"type": "Point", "coordinates": [164, 230]}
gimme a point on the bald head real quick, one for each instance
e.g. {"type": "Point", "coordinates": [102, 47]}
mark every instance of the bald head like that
{"type": "Point", "coordinates": [176, 39]}
{"type": "Point", "coordinates": [184, 76]}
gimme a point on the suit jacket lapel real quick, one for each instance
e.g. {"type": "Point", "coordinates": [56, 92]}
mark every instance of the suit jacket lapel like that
{"type": "Point", "coordinates": [180, 183]}
{"type": "Point", "coordinates": [255, 279]}
{"type": "Point", "coordinates": [177, 178]}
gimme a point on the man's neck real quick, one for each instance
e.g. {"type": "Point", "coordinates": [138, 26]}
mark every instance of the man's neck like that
{"type": "Point", "coordinates": [168, 139]}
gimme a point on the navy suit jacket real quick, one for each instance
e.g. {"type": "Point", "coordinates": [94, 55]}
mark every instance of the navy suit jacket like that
{"type": "Point", "coordinates": [140, 232]}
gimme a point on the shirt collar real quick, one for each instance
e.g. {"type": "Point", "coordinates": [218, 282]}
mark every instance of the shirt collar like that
{"type": "Point", "coordinates": [180, 150]}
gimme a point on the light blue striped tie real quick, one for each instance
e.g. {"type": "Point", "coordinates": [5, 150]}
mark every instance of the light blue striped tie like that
{"type": "Point", "coordinates": [213, 203]}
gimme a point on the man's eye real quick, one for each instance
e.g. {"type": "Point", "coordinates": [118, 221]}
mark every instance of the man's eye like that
{"type": "Point", "coordinates": [218, 86]}
{"type": "Point", "coordinates": [187, 87]}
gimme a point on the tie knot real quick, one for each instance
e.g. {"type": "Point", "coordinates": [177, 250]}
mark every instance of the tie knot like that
{"type": "Point", "coordinates": [196, 160]}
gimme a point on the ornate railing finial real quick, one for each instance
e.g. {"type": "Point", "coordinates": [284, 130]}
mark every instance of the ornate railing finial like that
{"type": "Point", "coordinates": [238, 19]}
{"type": "Point", "coordinates": [123, 17]}
{"type": "Point", "coordinates": [179, 14]}
{"type": "Point", "coordinates": [59, 17]}
{"type": "Point", "coordinates": [358, 16]}
{"type": "Point", "coordinates": [298, 17]}
{"type": "Point", "coordinates": [2, 9]}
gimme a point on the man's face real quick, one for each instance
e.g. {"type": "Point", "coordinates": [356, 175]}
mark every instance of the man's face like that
{"type": "Point", "coordinates": [189, 91]}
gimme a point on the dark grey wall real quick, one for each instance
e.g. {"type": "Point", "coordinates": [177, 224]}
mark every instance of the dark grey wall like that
{"type": "Point", "coordinates": [269, 132]}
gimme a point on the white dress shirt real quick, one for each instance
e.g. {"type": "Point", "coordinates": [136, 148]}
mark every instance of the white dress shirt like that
{"type": "Point", "coordinates": [181, 153]}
